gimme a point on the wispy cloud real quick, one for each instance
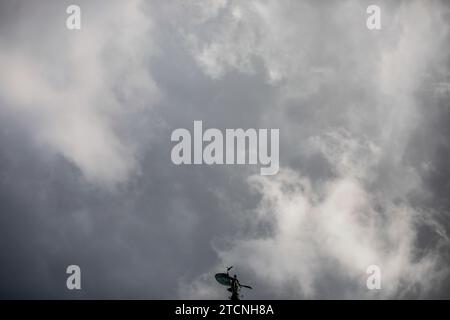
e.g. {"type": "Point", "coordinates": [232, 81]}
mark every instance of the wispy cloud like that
{"type": "Point", "coordinates": [75, 96]}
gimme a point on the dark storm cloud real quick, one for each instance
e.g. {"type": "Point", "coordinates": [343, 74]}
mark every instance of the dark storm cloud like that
{"type": "Point", "coordinates": [86, 176]}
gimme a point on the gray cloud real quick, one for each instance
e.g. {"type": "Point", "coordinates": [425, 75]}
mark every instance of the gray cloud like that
{"type": "Point", "coordinates": [85, 171]}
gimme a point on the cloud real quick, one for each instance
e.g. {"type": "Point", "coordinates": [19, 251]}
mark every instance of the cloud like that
{"type": "Point", "coordinates": [75, 96]}
{"type": "Point", "coordinates": [323, 236]}
{"type": "Point", "coordinates": [334, 231]}
{"type": "Point", "coordinates": [246, 32]}
{"type": "Point", "coordinates": [363, 119]}
{"type": "Point", "coordinates": [327, 228]}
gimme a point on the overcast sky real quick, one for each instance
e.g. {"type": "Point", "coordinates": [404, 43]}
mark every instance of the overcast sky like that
{"type": "Point", "coordinates": [86, 176]}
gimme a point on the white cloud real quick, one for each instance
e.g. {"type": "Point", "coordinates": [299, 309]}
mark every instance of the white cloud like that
{"type": "Point", "coordinates": [362, 214]}
{"type": "Point", "coordinates": [101, 73]}
{"type": "Point", "coordinates": [247, 31]}
{"type": "Point", "coordinates": [333, 231]}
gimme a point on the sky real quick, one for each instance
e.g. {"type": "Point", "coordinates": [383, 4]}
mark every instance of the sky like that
{"type": "Point", "coordinates": [86, 176]}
